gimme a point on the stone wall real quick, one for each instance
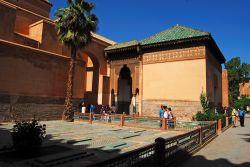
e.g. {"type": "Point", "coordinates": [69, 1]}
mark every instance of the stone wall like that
{"type": "Point", "coordinates": [182, 110]}
{"type": "Point", "coordinates": [29, 107]}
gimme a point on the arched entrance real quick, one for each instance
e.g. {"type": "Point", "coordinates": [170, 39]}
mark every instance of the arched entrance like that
{"type": "Point", "coordinates": [124, 94]}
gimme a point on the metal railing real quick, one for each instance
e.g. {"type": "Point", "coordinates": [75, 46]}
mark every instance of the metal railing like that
{"type": "Point", "coordinates": [144, 156]}
{"type": "Point", "coordinates": [141, 121]}
{"type": "Point", "coordinates": [164, 151]}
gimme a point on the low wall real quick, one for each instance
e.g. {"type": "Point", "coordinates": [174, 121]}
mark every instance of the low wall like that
{"type": "Point", "coordinates": [182, 110]}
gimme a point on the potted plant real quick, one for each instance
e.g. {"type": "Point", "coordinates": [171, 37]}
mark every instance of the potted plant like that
{"type": "Point", "coordinates": [27, 136]}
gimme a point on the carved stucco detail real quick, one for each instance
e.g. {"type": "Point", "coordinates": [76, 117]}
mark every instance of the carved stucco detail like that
{"type": "Point", "coordinates": [174, 55]}
{"type": "Point", "coordinates": [124, 61]}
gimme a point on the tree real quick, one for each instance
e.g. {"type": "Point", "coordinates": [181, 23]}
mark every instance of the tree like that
{"type": "Point", "coordinates": [237, 73]}
{"type": "Point", "coordinates": [204, 102]}
{"type": "Point", "coordinates": [242, 102]}
{"type": "Point", "coordinates": [74, 25]}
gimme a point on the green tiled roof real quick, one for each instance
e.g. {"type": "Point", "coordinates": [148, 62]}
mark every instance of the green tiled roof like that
{"type": "Point", "coordinates": [174, 34]}
{"type": "Point", "coordinates": [123, 45]}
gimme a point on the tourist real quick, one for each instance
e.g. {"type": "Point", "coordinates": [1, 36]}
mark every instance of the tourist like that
{"type": "Point", "coordinates": [234, 117]}
{"type": "Point", "coordinates": [161, 115]}
{"type": "Point", "coordinates": [107, 113]}
{"type": "Point", "coordinates": [92, 109]}
{"type": "Point", "coordinates": [83, 108]}
{"type": "Point", "coordinates": [102, 112]}
{"type": "Point", "coordinates": [242, 115]}
{"type": "Point", "coordinates": [170, 117]}
{"type": "Point", "coordinates": [165, 114]}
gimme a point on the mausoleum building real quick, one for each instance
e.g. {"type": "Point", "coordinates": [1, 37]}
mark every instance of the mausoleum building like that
{"type": "Point", "coordinates": [170, 68]}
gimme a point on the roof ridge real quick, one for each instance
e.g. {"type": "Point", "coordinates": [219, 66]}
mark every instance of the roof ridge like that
{"type": "Point", "coordinates": [193, 29]}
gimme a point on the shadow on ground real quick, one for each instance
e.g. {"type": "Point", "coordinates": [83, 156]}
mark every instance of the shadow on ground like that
{"type": "Point", "coordinates": [201, 161]}
{"type": "Point", "coordinates": [54, 152]}
{"type": "Point", "coordinates": [246, 137]}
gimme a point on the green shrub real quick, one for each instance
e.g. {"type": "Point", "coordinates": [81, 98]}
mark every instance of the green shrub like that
{"type": "Point", "coordinates": [28, 136]}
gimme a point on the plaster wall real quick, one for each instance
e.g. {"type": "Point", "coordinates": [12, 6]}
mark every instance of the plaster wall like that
{"type": "Point", "coordinates": [181, 80]}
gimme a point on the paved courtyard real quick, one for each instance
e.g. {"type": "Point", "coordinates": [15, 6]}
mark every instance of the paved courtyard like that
{"type": "Point", "coordinates": [80, 143]}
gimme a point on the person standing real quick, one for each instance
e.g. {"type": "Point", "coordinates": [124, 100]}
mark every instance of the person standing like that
{"type": "Point", "coordinates": [161, 115]}
{"type": "Point", "coordinates": [234, 117]}
{"type": "Point", "coordinates": [165, 114]}
{"type": "Point", "coordinates": [92, 110]}
{"type": "Point", "coordinates": [170, 117]}
{"type": "Point", "coordinates": [83, 108]}
{"type": "Point", "coordinates": [242, 115]}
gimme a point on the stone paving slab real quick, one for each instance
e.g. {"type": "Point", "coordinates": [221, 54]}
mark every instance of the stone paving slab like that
{"type": "Point", "coordinates": [103, 141]}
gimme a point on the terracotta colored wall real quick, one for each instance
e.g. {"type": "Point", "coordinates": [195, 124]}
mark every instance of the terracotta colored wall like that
{"type": "Point", "coordinates": [32, 73]}
{"type": "Point", "coordinates": [49, 38]}
{"type": "Point", "coordinates": [79, 80]}
{"type": "Point", "coordinates": [225, 89]}
{"type": "Point", "coordinates": [214, 71]}
{"type": "Point", "coordinates": [36, 31]}
{"type": "Point", "coordinates": [181, 80]}
{"type": "Point", "coordinates": [37, 6]}
{"type": "Point", "coordinates": [7, 23]}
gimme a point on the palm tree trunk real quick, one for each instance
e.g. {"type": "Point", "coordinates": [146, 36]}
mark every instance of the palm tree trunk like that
{"type": "Point", "coordinates": [68, 114]}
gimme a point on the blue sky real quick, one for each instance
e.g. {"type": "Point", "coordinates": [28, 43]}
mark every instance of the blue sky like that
{"type": "Point", "coordinates": [227, 20]}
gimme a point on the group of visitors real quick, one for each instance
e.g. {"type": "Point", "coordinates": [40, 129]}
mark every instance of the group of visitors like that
{"type": "Point", "coordinates": [238, 114]}
{"type": "Point", "coordinates": [105, 111]}
{"type": "Point", "coordinates": [166, 113]}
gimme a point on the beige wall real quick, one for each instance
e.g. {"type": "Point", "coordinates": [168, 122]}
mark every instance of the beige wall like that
{"type": "Point", "coordinates": [180, 80]}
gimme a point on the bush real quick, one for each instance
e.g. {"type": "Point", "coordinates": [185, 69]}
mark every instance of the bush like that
{"type": "Point", "coordinates": [202, 116]}
{"type": "Point", "coordinates": [207, 114]}
{"type": "Point", "coordinates": [28, 136]}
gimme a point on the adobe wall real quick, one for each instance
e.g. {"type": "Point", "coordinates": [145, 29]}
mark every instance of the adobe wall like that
{"type": "Point", "coordinates": [40, 7]}
{"type": "Point", "coordinates": [176, 78]}
{"type": "Point", "coordinates": [225, 89]}
{"type": "Point", "coordinates": [7, 23]}
{"type": "Point", "coordinates": [34, 82]}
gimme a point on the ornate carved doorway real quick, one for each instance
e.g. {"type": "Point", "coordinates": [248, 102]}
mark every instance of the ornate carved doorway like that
{"type": "Point", "coordinates": [124, 94]}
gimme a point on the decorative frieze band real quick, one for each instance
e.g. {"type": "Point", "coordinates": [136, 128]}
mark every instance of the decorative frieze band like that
{"type": "Point", "coordinates": [174, 55]}
{"type": "Point", "coordinates": [125, 61]}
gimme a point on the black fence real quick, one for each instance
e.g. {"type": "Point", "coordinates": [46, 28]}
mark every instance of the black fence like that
{"type": "Point", "coordinates": [164, 151]}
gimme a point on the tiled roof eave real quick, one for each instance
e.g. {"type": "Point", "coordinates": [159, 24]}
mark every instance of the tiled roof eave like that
{"type": "Point", "coordinates": [217, 49]}
{"type": "Point", "coordinates": [120, 49]}
{"type": "Point", "coordinates": [175, 42]}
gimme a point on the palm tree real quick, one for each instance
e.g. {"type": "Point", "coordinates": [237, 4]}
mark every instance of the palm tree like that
{"type": "Point", "coordinates": [74, 25]}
